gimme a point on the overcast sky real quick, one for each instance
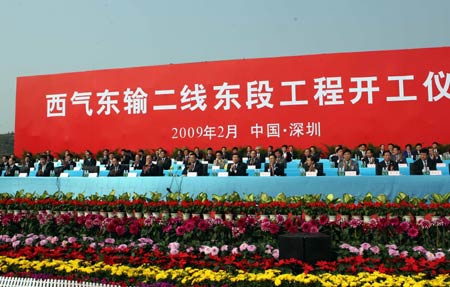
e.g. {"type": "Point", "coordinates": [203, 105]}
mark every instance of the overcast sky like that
{"type": "Point", "coordinates": [46, 37]}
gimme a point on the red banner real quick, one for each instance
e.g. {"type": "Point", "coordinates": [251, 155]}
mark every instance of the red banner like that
{"type": "Point", "coordinates": [395, 96]}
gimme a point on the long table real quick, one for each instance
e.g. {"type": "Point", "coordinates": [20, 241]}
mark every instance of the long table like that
{"type": "Point", "coordinates": [356, 185]}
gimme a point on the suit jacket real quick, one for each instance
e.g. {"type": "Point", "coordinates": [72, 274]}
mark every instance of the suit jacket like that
{"type": "Point", "coordinates": [239, 170]}
{"type": "Point", "coordinates": [164, 164]}
{"type": "Point", "coordinates": [48, 167]}
{"type": "Point", "coordinates": [392, 165]}
{"type": "Point", "coordinates": [116, 170]}
{"type": "Point", "coordinates": [11, 170]}
{"type": "Point", "coordinates": [104, 160]}
{"type": "Point", "coordinates": [210, 158]}
{"type": "Point", "coordinates": [67, 165]}
{"type": "Point", "coordinates": [287, 156]}
{"type": "Point", "coordinates": [137, 165]}
{"type": "Point", "coordinates": [366, 161]}
{"type": "Point", "coordinates": [398, 158]}
{"type": "Point", "coordinates": [336, 160]}
{"type": "Point", "coordinates": [256, 162]}
{"type": "Point", "coordinates": [417, 166]}
{"type": "Point", "coordinates": [277, 170]}
{"type": "Point", "coordinates": [349, 166]}
{"type": "Point", "coordinates": [436, 159]}
{"type": "Point", "coordinates": [198, 168]}
{"type": "Point", "coordinates": [89, 162]}
{"type": "Point", "coordinates": [151, 170]}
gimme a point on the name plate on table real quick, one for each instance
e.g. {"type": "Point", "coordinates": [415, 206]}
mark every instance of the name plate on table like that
{"type": "Point", "coordinates": [215, 167]}
{"type": "Point", "coordinates": [179, 163]}
{"type": "Point", "coordinates": [23, 174]}
{"type": "Point", "coordinates": [93, 174]}
{"type": "Point", "coordinates": [264, 173]}
{"type": "Point", "coordinates": [251, 167]}
{"type": "Point", "coordinates": [205, 162]}
{"type": "Point", "coordinates": [132, 174]}
{"type": "Point", "coordinates": [64, 174]}
{"type": "Point", "coordinates": [77, 168]}
{"type": "Point", "coordinates": [371, 165]}
{"type": "Point", "coordinates": [350, 173]}
{"type": "Point", "coordinates": [435, 172]}
{"type": "Point", "coordinates": [154, 162]}
{"type": "Point", "coordinates": [222, 174]}
{"type": "Point", "coordinates": [402, 165]}
{"type": "Point", "coordinates": [245, 159]}
{"type": "Point", "coordinates": [192, 174]}
{"type": "Point", "coordinates": [311, 173]}
{"type": "Point", "coordinates": [131, 167]}
{"type": "Point", "coordinates": [442, 164]}
{"type": "Point", "coordinates": [394, 173]}
{"type": "Point", "coordinates": [31, 168]}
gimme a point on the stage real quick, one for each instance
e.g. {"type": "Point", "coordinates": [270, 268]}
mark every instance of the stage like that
{"type": "Point", "coordinates": [355, 185]}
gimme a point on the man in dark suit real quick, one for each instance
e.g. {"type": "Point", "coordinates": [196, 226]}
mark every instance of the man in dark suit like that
{"type": "Point", "coordinates": [89, 160]}
{"type": "Point", "coordinates": [286, 154]}
{"type": "Point", "coordinates": [423, 164]}
{"type": "Point", "coordinates": [116, 169]}
{"type": "Point", "coordinates": [347, 164]}
{"type": "Point", "coordinates": [150, 169]}
{"type": "Point", "coordinates": [254, 160]}
{"type": "Point", "coordinates": [416, 152]}
{"type": "Point", "coordinates": [433, 155]}
{"type": "Point", "coordinates": [397, 155]}
{"type": "Point", "coordinates": [104, 160]}
{"type": "Point", "coordinates": [44, 167]}
{"type": "Point", "coordinates": [275, 168]}
{"type": "Point", "coordinates": [361, 152]}
{"type": "Point", "coordinates": [236, 167]}
{"type": "Point", "coordinates": [209, 157]}
{"type": "Point", "coordinates": [68, 163]}
{"type": "Point", "coordinates": [194, 165]}
{"type": "Point", "coordinates": [369, 158]}
{"type": "Point", "coordinates": [163, 162]}
{"type": "Point", "coordinates": [260, 155]}
{"type": "Point", "coordinates": [386, 164]}
{"type": "Point", "coordinates": [12, 168]}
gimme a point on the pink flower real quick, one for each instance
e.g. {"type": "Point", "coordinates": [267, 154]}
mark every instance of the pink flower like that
{"type": "Point", "coordinates": [404, 254]}
{"type": "Point", "coordinates": [71, 240]}
{"type": "Point", "coordinates": [174, 245]}
{"type": "Point", "coordinates": [234, 251]}
{"type": "Point", "coordinates": [365, 246]}
{"type": "Point", "coordinates": [323, 219]}
{"type": "Point", "coordinates": [393, 252]}
{"type": "Point", "coordinates": [92, 245]}
{"type": "Point", "coordinates": [430, 256]}
{"type": "Point", "coordinates": [425, 224]}
{"type": "Point", "coordinates": [110, 240]}
{"type": "Point", "coordinates": [439, 255]}
{"type": "Point", "coordinates": [43, 242]}
{"type": "Point", "coordinates": [174, 251]}
{"type": "Point", "coordinates": [419, 249]}
{"type": "Point", "coordinates": [276, 253]}
{"type": "Point", "coordinates": [345, 246]}
{"type": "Point", "coordinates": [224, 248]}
{"type": "Point", "coordinates": [122, 247]}
{"type": "Point", "coordinates": [189, 249]}
{"type": "Point", "coordinates": [15, 243]}
{"type": "Point", "coordinates": [120, 230]}
{"type": "Point", "coordinates": [251, 248]}
{"type": "Point", "coordinates": [353, 250]}
{"type": "Point", "coordinates": [243, 246]}
{"type": "Point", "coordinates": [391, 246]}
{"type": "Point", "coordinates": [413, 232]}
{"type": "Point", "coordinates": [214, 251]}
{"type": "Point", "coordinates": [375, 249]}
{"type": "Point", "coordinates": [29, 241]}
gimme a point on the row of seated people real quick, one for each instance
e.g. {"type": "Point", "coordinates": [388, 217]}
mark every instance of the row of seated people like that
{"type": "Point", "coordinates": [236, 167]}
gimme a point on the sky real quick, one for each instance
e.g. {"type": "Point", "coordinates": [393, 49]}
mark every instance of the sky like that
{"type": "Point", "coordinates": [56, 36]}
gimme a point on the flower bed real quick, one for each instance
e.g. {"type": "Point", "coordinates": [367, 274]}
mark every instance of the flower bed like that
{"type": "Point", "coordinates": [191, 242]}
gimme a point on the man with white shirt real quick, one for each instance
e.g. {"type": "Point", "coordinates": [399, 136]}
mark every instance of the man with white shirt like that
{"type": "Point", "coordinates": [348, 164]}
{"type": "Point", "coordinates": [423, 164]}
{"type": "Point", "coordinates": [386, 164]}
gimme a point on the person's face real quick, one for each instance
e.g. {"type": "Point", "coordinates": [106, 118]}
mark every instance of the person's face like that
{"type": "Point", "coordinates": [434, 146]}
{"type": "Point", "coordinates": [234, 150]}
{"type": "Point", "coordinates": [309, 161]}
{"type": "Point", "coordinates": [277, 154]}
{"type": "Point", "coordinates": [105, 153]}
{"type": "Point", "coordinates": [249, 148]}
{"type": "Point", "coordinates": [209, 152]}
{"type": "Point", "coordinates": [235, 158]}
{"type": "Point", "coordinates": [272, 159]}
{"type": "Point", "coordinates": [179, 152]}
{"type": "Point", "coordinates": [382, 146]}
{"type": "Point", "coordinates": [418, 148]}
{"type": "Point", "coordinates": [258, 150]}
{"type": "Point", "coordinates": [362, 148]}
{"type": "Point", "coordinates": [390, 147]}
{"type": "Point", "coordinates": [283, 149]}
{"type": "Point", "coordinates": [340, 153]}
{"type": "Point", "coordinates": [218, 155]}
{"type": "Point", "coordinates": [307, 152]}
{"type": "Point", "coordinates": [269, 149]}
{"type": "Point", "coordinates": [148, 158]}
{"type": "Point", "coordinates": [43, 161]}
{"type": "Point", "coordinates": [4, 159]}
{"type": "Point", "coordinates": [137, 158]}
{"type": "Point", "coordinates": [111, 156]}
{"type": "Point", "coordinates": [347, 156]}
{"type": "Point", "coordinates": [192, 158]}
{"type": "Point", "coordinates": [312, 149]}
{"type": "Point", "coordinates": [115, 162]}
{"type": "Point", "coordinates": [11, 161]}
{"type": "Point", "coordinates": [387, 157]}
{"type": "Point", "coordinates": [186, 152]}
{"type": "Point", "coordinates": [196, 150]}
{"type": "Point", "coordinates": [408, 148]}
{"type": "Point", "coordinates": [253, 154]}
{"type": "Point", "coordinates": [430, 151]}
{"type": "Point", "coordinates": [423, 156]}
{"type": "Point", "coordinates": [88, 155]}
{"type": "Point", "coordinates": [395, 151]}
{"type": "Point", "coordinates": [291, 148]}
{"type": "Point", "coordinates": [67, 158]}
{"type": "Point", "coordinates": [162, 154]}
{"type": "Point", "coordinates": [224, 149]}
{"type": "Point", "coordinates": [369, 154]}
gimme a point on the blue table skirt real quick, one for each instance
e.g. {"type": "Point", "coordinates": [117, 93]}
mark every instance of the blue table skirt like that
{"type": "Point", "coordinates": [357, 185]}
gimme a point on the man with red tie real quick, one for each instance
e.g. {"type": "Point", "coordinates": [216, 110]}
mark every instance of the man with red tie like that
{"type": "Point", "coordinates": [236, 167]}
{"type": "Point", "coordinates": [387, 164]}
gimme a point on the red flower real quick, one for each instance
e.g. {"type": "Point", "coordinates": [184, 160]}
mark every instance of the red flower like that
{"type": "Point", "coordinates": [134, 228]}
{"type": "Point", "coordinates": [120, 230]}
{"type": "Point", "coordinates": [413, 232]}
